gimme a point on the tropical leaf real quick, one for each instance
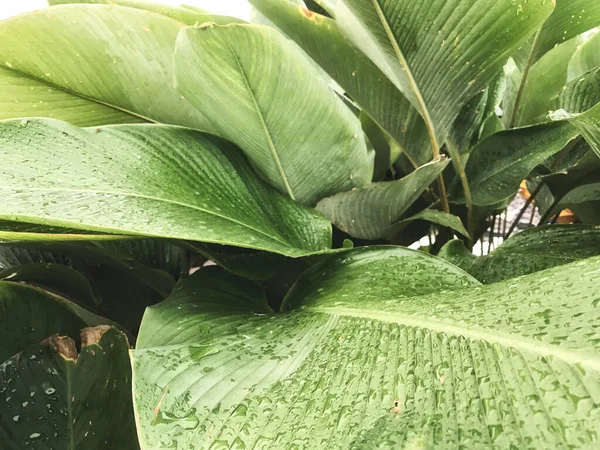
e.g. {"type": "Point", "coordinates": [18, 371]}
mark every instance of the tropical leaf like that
{"type": "Point", "coordinates": [455, 252]}
{"type": "Point", "coordinates": [585, 58]}
{"type": "Point", "coordinates": [57, 278]}
{"type": "Point", "coordinates": [385, 348]}
{"type": "Point", "coordinates": [321, 39]}
{"type": "Point", "coordinates": [429, 56]}
{"type": "Point", "coordinates": [537, 249]}
{"type": "Point", "coordinates": [116, 66]}
{"type": "Point", "coordinates": [53, 397]}
{"type": "Point", "coordinates": [544, 83]}
{"type": "Point", "coordinates": [581, 94]}
{"type": "Point", "coordinates": [438, 217]}
{"type": "Point", "coordinates": [182, 14]}
{"type": "Point", "coordinates": [497, 165]}
{"type": "Point", "coordinates": [370, 212]}
{"type": "Point", "coordinates": [570, 18]}
{"type": "Point", "coordinates": [28, 315]}
{"type": "Point", "coordinates": [115, 180]}
{"type": "Point", "coordinates": [587, 123]}
{"type": "Point", "coordinates": [298, 135]}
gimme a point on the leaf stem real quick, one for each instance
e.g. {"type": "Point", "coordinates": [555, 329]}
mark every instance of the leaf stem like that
{"type": "Point", "coordinates": [514, 122]}
{"type": "Point", "coordinates": [460, 169]}
{"type": "Point", "coordinates": [524, 208]}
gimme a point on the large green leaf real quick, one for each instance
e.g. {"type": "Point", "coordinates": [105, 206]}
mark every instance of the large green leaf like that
{"type": "Point", "coordinates": [116, 66]}
{"type": "Point", "coordinates": [182, 14]}
{"type": "Point", "coordinates": [537, 249]}
{"type": "Point", "coordinates": [268, 99]}
{"type": "Point", "coordinates": [147, 180]}
{"type": "Point", "coordinates": [53, 398]}
{"type": "Point", "coordinates": [370, 212]}
{"type": "Point", "coordinates": [362, 80]}
{"type": "Point", "coordinates": [442, 55]}
{"type": "Point", "coordinates": [380, 353]}
{"type": "Point", "coordinates": [498, 164]}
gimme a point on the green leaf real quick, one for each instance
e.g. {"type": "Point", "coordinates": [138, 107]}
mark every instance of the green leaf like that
{"type": "Point", "coordinates": [116, 66]}
{"type": "Point", "coordinates": [585, 58]}
{"type": "Point", "coordinates": [465, 130]}
{"type": "Point", "coordinates": [54, 398]}
{"type": "Point", "coordinates": [182, 14]}
{"type": "Point", "coordinates": [370, 212]}
{"type": "Point", "coordinates": [387, 150]}
{"type": "Point", "coordinates": [438, 217]}
{"type": "Point", "coordinates": [544, 83]}
{"type": "Point", "coordinates": [56, 278]}
{"type": "Point", "coordinates": [382, 353]}
{"type": "Point", "coordinates": [537, 249]}
{"type": "Point", "coordinates": [581, 94]}
{"type": "Point", "coordinates": [570, 18]}
{"type": "Point", "coordinates": [299, 135]}
{"type": "Point", "coordinates": [455, 252]}
{"type": "Point", "coordinates": [148, 180]}
{"type": "Point", "coordinates": [587, 123]}
{"type": "Point", "coordinates": [28, 315]}
{"type": "Point", "coordinates": [428, 53]}
{"type": "Point", "coordinates": [497, 165]}
{"type": "Point", "coordinates": [320, 38]}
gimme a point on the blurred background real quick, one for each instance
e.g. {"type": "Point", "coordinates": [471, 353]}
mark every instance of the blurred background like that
{"type": "Point", "coordinates": [237, 8]}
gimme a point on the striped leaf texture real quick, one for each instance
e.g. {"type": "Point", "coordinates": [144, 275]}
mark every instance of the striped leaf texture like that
{"type": "Point", "coordinates": [148, 180]}
{"type": "Point", "coordinates": [440, 55]}
{"type": "Point", "coordinates": [269, 100]}
{"type": "Point", "coordinates": [376, 348]}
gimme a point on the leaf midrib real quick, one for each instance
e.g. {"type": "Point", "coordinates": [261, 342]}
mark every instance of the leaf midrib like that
{"type": "Point", "coordinates": [77, 94]}
{"type": "Point", "coordinates": [263, 124]}
{"type": "Point", "coordinates": [147, 197]}
{"type": "Point", "coordinates": [570, 356]}
{"type": "Point", "coordinates": [410, 77]}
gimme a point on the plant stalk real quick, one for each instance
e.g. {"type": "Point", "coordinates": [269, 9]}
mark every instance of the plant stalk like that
{"type": "Point", "coordinates": [524, 209]}
{"type": "Point", "coordinates": [514, 121]}
{"type": "Point", "coordinates": [460, 170]}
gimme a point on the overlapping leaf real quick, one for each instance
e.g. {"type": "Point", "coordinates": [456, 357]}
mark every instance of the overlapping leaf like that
{"type": "Point", "coordinates": [268, 99]}
{"type": "Point", "coordinates": [116, 66]}
{"type": "Point", "coordinates": [362, 80]}
{"type": "Point", "coordinates": [147, 180]}
{"type": "Point", "coordinates": [442, 55]}
{"type": "Point", "coordinates": [385, 348]}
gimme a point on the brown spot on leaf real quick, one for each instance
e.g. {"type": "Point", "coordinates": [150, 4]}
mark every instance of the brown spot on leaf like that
{"type": "Point", "coordinates": [91, 336]}
{"type": "Point", "coordinates": [64, 346]}
{"type": "Point", "coordinates": [307, 13]}
{"type": "Point", "coordinates": [159, 404]}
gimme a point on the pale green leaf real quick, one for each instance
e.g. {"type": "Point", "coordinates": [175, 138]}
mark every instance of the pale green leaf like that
{"type": "Point", "coordinates": [268, 99]}
{"type": "Point", "coordinates": [320, 38]}
{"type": "Point", "coordinates": [116, 66]}
{"type": "Point", "coordinates": [387, 349]}
{"type": "Point", "coordinates": [370, 212]}
{"type": "Point", "coordinates": [54, 398]}
{"type": "Point", "coordinates": [442, 55]}
{"type": "Point", "coordinates": [585, 58]}
{"type": "Point", "coordinates": [148, 180]}
{"type": "Point", "coordinates": [581, 94]}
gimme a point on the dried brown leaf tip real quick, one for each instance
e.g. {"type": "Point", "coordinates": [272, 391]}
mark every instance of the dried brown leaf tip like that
{"type": "Point", "coordinates": [91, 336]}
{"type": "Point", "coordinates": [63, 345]}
